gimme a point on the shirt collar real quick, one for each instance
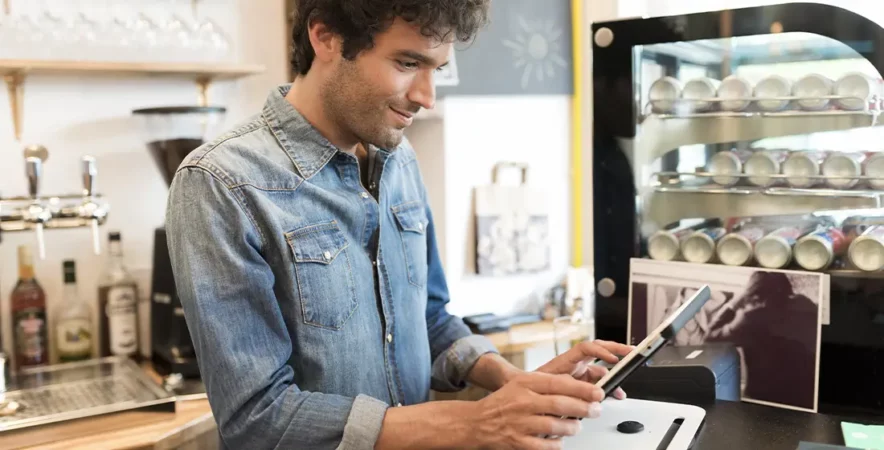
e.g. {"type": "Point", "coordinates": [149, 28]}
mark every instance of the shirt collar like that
{"type": "Point", "coordinates": [305, 145]}
{"type": "Point", "coordinates": [307, 148]}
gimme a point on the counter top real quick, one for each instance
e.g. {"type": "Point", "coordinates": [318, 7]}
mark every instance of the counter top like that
{"type": "Point", "coordinates": [191, 422]}
{"type": "Point", "coordinates": [137, 430]}
{"type": "Point", "coordinates": [522, 337]}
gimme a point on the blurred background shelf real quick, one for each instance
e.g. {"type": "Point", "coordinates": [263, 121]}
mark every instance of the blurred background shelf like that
{"type": "Point", "coordinates": [197, 70]}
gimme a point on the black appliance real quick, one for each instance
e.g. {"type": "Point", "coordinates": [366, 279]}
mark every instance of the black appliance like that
{"type": "Point", "coordinates": [171, 134]}
{"type": "Point", "coordinates": [643, 160]}
{"type": "Point", "coordinates": [689, 374]}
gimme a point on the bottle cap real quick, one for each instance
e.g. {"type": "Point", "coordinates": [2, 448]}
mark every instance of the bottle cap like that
{"type": "Point", "coordinates": [25, 256]}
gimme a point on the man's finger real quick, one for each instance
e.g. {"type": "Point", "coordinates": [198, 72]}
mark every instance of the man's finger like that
{"type": "Point", "coordinates": [536, 443]}
{"type": "Point", "coordinates": [620, 394]}
{"type": "Point", "coordinates": [594, 373]}
{"type": "Point", "coordinates": [562, 406]}
{"type": "Point", "coordinates": [546, 384]}
{"type": "Point", "coordinates": [616, 347]}
{"type": "Point", "coordinates": [551, 426]}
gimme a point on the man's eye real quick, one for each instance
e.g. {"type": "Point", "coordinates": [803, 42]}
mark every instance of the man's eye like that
{"type": "Point", "coordinates": [408, 65]}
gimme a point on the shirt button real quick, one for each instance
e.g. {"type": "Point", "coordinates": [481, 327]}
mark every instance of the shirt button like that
{"type": "Point", "coordinates": [399, 405]}
{"type": "Point", "coordinates": [389, 338]}
{"type": "Point", "coordinates": [420, 227]}
{"type": "Point", "coordinates": [364, 195]}
{"type": "Point", "coordinates": [327, 256]}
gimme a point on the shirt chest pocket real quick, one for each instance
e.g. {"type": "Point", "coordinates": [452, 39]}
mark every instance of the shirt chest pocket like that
{"type": "Point", "coordinates": [325, 279]}
{"type": "Point", "coordinates": [411, 219]}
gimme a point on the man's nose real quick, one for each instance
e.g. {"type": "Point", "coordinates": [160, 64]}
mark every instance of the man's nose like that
{"type": "Point", "coordinates": [423, 90]}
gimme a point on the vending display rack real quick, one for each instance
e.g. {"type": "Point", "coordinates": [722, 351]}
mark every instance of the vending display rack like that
{"type": "Point", "coordinates": [650, 167]}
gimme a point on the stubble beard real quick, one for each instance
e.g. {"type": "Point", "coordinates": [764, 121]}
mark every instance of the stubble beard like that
{"type": "Point", "coordinates": [356, 110]}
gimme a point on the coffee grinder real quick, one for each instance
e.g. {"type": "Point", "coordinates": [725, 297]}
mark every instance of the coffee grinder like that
{"type": "Point", "coordinates": [171, 134]}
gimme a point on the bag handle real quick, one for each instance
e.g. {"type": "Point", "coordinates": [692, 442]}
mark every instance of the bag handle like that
{"type": "Point", "coordinates": [495, 177]}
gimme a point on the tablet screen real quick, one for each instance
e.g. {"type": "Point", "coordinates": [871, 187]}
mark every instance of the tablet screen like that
{"type": "Point", "coordinates": [654, 341]}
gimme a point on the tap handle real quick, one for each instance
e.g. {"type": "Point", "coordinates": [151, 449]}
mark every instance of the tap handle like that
{"type": "Point", "coordinates": [34, 168]}
{"type": "Point", "coordinates": [90, 172]}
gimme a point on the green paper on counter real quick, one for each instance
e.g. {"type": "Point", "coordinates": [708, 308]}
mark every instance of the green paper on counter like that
{"type": "Point", "coordinates": [863, 436]}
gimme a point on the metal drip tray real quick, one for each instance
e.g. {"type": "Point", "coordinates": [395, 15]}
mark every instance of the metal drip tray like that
{"type": "Point", "coordinates": [79, 390]}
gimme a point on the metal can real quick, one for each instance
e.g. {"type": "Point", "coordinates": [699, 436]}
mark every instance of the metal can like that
{"type": "Point", "coordinates": [802, 169]}
{"type": "Point", "coordinates": [699, 247]}
{"type": "Point", "coordinates": [811, 91]}
{"type": "Point", "coordinates": [698, 94]}
{"type": "Point", "coordinates": [856, 90]}
{"type": "Point", "coordinates": [774, 251]}
{"type": "Point", "coordinates": [764, 163]}
{"type": "Point", "coordinates": [737, 248]}
{"type": "Point", "coordinates": [664, 94]}
{"type": "Point", "coordinates": [818, 250]}
{"type": "Point", "coordinates": [727, 166]}
{"type": "Point", "coordinates": [866, 252]}
{"type": "Point", "coordinates": [842, 170]}
{"type": "Point", "coordinates": [735, 93]}
{"type": "Point", "coordinates": [769, 93]}
{"type": "Point", "coordinates": [665, 245]}
{"type": "Point", "coordinates": [874, 167]}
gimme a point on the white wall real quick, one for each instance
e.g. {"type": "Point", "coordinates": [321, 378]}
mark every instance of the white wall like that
{"type": "Point", "coordinates": [73, 116]}
{"type": "Point", "coordinates": [458, 153]}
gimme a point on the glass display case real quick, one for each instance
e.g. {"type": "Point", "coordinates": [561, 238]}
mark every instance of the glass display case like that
{"type": "Point", "coordinates": [759, 127]}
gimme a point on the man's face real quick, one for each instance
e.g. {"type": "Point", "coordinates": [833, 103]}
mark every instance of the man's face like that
{"type": "Point", "coordinates": [374, 97]}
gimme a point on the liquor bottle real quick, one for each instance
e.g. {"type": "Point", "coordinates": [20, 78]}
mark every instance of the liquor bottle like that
{"type": "Point", "coordinates": [118, 305]}
{"type": "Point", "coordinates": [73, 331]}
{"type": "Point", "coordinates": [28, 304]}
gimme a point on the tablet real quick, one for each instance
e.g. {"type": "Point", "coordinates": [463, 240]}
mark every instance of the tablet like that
{"type": "Point", "coordinates": [655, 340]}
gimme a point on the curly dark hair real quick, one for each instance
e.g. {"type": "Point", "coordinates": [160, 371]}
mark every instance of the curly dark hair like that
{"type": "Point", "coordinates": [359, 21]}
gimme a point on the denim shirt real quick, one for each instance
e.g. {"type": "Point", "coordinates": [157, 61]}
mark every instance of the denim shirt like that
{"type": "Point", "coordinates": [313, 306]}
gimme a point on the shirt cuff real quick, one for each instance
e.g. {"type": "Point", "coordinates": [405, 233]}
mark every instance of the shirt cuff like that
{"type": "Point", "coordinates": [450, 369]}
{"type": "Point", "coordinates": [363, 424]}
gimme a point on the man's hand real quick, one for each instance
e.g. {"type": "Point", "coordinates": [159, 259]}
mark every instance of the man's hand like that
{"type": "Point", "coordinates": [530, 406]}
{"type": "Point", "coordinates": [577, 362]}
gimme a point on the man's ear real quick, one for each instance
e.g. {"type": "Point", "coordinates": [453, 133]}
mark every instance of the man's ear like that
{"type": "Point", "coordinates": [326, 44]}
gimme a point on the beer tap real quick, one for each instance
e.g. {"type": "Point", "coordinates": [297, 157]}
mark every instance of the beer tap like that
{"type": "Point", "coordinates": [40, 212]}
{"type": "Point", "coordinates": [37, 214]}
{"type": "Point", "coordinates": [90, 210]}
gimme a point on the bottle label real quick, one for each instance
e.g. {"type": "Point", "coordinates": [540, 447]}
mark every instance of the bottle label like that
{"type": "Point", "coordinates": [122, 318]}
{"type": "Point", "coordinates": [74, 338]}
{"type": "Point", "coordinates": [30, 333]}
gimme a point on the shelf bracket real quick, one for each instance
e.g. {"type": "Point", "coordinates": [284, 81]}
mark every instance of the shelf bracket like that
{"type": "Point", "coordinates": [15, 83]}
{"type": "Point", "coordinates": [202, 84]}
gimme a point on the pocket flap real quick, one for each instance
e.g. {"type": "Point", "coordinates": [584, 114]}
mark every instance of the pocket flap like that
{"type": "Point", "coordinates": [411, 217]}
{"type": "Point", "coordinates": [320, 243]}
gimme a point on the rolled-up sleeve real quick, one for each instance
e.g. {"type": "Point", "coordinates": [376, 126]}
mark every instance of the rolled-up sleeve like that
{"type": "Point", "coordinates": [453, 347]}
{"type": "Point", "coordinates": [240, 337]}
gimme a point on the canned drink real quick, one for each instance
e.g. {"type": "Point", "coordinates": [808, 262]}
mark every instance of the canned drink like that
{"type": "Point", "coordinates": [664, 95]}
{"type": "Point", "coordinates": [699, 247]}
{"type": "Point", "coordinates": [764, 163]}
{"type": "Point", "coordinates": [736, 249]}
{"type": "Point", "coordinates": [770, 88]}
{"type": "Point", "coordinates": [735, 93]}
{"type": "Point", "coordinates": [874, 167]}
{"type": "Point", "coordinates": [802, 169]}
{"type": "Point", "coordinates": [774, 251]}
{"type": "Point", "coordinates": [866, 252]}
{"type": "Point", "coordinates": [665, 245]}
{"type": "Point", "coordinates": [810, 90]}
{"type": "Point", "coordinates": [698, 89]}
{"type": "Point", "coordinates": [818, 250]}
{"type": "Point", "coordinates": [727, 166]}
{"type": "Point", "coordinates": [856, 90]}
{"type": "Point", "coordinates": [844, 168]}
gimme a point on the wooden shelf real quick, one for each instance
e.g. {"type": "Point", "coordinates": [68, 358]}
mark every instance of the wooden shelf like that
{"type": "Point", "coordinates": [14, 72]}
{"type": "Point", "coordinates": [195, 70]}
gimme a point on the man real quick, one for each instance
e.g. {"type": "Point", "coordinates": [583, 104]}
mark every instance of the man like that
{"type": "Point", "coordinates": [305, 256]}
